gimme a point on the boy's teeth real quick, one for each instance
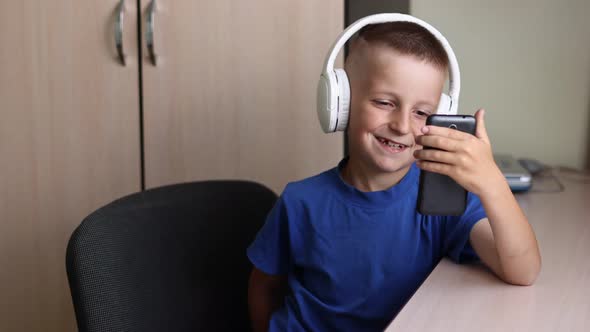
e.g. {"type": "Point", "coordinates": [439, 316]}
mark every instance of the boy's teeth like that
{"type": "Point", "coordinates": [391, 144]}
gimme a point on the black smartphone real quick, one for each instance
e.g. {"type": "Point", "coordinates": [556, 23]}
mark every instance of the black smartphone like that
{"type": "Point", "coordinates": [439, 194]}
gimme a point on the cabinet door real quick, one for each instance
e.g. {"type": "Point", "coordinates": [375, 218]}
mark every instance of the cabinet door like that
{"type": "Point", "coordinates": [233, 92]}
{"type": "Point", "coordinates": [69, 143]}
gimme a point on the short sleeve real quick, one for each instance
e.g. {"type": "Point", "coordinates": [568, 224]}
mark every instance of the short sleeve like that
{"type": "Point", "coordinates": [270, 250]}
{"type": "Point", "coordinates": [457, 230]}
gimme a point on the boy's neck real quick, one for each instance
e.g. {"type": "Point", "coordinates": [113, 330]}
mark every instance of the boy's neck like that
{"type": "Point", "coordinates": [366, 179]}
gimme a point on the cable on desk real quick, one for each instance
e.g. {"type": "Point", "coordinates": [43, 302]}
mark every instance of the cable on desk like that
{"type": "Point", "coordinates": [572, 174]}
{"type": "Point", "coordinates": [550, 179]}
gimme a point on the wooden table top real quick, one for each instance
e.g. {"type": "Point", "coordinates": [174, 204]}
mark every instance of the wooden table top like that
{"type": "Point", "coordinates": [470, 298]}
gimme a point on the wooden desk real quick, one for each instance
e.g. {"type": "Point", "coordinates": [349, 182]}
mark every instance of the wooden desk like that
{"type": "Point", "coordinates": [469, 298]}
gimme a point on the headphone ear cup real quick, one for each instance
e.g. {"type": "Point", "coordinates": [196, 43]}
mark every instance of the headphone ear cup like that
{"type": "Point", "coordinates": [327, 105]}
{"type": "Point", "coordinates": [343, 99]}
{"type": "Point", "coordinates": [444, 105]}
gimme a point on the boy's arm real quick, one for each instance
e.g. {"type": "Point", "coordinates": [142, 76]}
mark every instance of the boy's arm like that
{"type": "Point", "coordinates": [504, 254]}
{"type": "Point", "coordinates": [265, 294]}
{"type": "Point", "coordinates": [504, 241]}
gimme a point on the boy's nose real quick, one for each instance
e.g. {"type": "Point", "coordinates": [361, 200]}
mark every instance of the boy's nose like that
{"type": "Point", "coordinates": [400, 122]}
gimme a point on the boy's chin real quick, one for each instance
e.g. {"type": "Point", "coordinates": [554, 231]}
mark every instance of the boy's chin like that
{"type": "Point", "coordinates": [394, 166]}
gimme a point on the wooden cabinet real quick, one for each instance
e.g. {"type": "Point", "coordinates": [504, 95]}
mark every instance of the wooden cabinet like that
{"type": "Point", "coordinates": [233, 91]}
{"type": "Point", "coordinates": [232, 96]}
{"type": "Point", "coordinates": [69, 143]}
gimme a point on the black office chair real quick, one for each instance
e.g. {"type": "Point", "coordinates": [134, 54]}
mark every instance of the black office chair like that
{"type": "Point", "coordinates": [168, 259]}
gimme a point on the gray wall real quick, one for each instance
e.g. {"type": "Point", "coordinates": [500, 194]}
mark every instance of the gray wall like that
{"type": "Point", "coordinates": [356, 9]}
{"type": "Point", "coordinates": [528, 63]}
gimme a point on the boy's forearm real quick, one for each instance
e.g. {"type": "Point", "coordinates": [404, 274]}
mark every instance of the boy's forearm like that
{"type": "Point", "coordinates": [515, 240]}
{"type": "Point", "coordinates": [261, 308]}
{"type": "Point", "coordinates": [263, 300]}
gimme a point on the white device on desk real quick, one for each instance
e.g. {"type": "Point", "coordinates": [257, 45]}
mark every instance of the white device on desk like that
{"type": "Point", "coordinates": [519, 178]}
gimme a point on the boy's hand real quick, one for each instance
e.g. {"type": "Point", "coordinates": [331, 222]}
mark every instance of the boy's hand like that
{"type": "Point", "coordinates": [467, 159]}
{"type": "Point", "coordinates": [504, 241]}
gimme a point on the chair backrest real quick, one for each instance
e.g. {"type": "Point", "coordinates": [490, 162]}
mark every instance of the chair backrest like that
{"type": "Point", "coordinates": [168, 259]}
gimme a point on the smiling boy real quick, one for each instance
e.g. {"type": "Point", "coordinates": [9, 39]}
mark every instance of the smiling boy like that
{"type": "Point", "coordinates": [345, 249]}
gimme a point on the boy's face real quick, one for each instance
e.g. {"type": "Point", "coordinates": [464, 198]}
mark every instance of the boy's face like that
{"type": "Point", "coordinates": [391, 97]}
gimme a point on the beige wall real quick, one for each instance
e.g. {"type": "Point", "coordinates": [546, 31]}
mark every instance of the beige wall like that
{"type": "Point", "coordinates": [528, 64]}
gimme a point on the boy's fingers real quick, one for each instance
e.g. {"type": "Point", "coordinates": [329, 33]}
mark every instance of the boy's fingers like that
{"type": "Point", "coordinates": [446, 132]}
{"type": "Point", "coordinates": [480, 130]}
{"type": "Point", "coordinates": [435, 155]}
{"type": "Point", "coordinates": [435, 167]}
{"type": "Point", "coordinates": [439, 142]}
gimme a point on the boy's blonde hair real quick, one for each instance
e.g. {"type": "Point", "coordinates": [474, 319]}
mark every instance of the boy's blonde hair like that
{"type": "Point", "coordinates": [407, 39]}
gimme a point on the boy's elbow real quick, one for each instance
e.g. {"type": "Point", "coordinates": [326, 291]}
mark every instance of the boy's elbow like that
{"type": "Point", "coordinates": [528, 280]}
{"type": "Point", "coordinates": [524, 276]}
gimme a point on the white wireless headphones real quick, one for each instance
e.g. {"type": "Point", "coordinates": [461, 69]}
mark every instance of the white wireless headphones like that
{"type": "Point", "coordinates": [333, 99]}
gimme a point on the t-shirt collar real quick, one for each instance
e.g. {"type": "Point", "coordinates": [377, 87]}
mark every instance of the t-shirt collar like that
{"type": "Point", "coordinates": [380, 198]}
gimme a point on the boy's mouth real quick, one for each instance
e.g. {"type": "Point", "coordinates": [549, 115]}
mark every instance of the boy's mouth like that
{"type": "Point", "coordinates": [391, 145]}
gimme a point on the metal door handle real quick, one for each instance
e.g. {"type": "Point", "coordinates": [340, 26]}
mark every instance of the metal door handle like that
{"type": "Point", "coordinates": [119, 31]}
{"type": "Point", "coordinates": [150, 32]}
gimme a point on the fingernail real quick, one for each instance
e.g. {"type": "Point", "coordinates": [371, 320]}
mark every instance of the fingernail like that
{"type": "Point", "coordinates": [424, 129]}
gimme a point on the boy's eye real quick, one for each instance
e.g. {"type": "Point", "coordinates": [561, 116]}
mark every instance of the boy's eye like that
{"type": "Point", "coordinates": [422, 113]}
{"type": "Point", "coordinates": [383, 103]}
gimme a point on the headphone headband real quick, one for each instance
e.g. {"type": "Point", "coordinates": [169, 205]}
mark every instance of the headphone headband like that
{"type": "Point", "coordinates": [454, 75]}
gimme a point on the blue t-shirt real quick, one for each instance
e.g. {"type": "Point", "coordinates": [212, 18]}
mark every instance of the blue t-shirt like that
{"type": "Point", "coordinates": [354, 258]}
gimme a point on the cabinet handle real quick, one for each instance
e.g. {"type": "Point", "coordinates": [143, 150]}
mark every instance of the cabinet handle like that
{"type": "Point", "coordinates": [150, 32]}
{"type": "Point", "coordinates": [119, 31]}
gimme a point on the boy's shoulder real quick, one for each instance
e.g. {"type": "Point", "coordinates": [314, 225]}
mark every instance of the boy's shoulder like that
{"type": "Point", "coordinates": [313, 186]}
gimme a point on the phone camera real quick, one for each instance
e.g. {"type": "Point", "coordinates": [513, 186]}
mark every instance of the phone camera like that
{"type": "Point", "coordinates": [453, 126]}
